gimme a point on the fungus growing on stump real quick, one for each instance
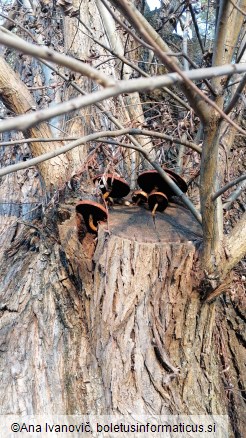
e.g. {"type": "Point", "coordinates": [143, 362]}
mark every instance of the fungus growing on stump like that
{"type": "Point", "coordinates": [151, 180]}
{"type": "Point", "coordinates": [157, 201]}
{"type": "Point", "coordinates": [112, 186]}
{"type": "Point", "coordinates": [139, 197]}
{"type": "Point", "coordinates": [92, 213]}
{"type": "Point", "coordinates": [179, 181]}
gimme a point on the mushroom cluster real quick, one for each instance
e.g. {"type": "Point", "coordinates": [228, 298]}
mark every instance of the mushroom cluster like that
{"type": "Point", "coordinates": [153, 189]}
{"type": "Point", "coordinates": [156, 191]}
{"type": "Point", "coordinates": [111, 187]}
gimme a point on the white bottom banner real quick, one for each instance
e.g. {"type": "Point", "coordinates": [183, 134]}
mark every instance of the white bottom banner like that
{"type": "Point", "coordinates": [134, 425]}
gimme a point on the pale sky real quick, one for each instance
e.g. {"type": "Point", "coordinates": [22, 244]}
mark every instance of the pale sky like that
{"type": "Point", "coordinates": [153, 4]}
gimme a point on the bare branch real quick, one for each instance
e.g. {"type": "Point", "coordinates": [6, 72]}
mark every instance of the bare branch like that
{"type": "Point", "coordinates": [194, 65]}
{"type": "Point", "coordinates": [234, 196]}
{"type": "Point", "coordinates": [141, 84]}
{"type": "Point", "coordinates": [196, 27]}
{"type": "Point", "coordinates": [79, 89]}
{"type": "Point", "coordinates": [161, 49]}
{"type": "Point", "coordinates": [16, 25]}
{"type": "Point", "coordinates": [186, 143]}
{"type": "Point", "coordinates": [58, 58]}
{"type": "Point", "coordinates": [130, 131]}
{"type": "Point", "coordinates": [238, 8]}
{"type": "Point", "coordinates": [37, 140]}
{"type": "Point", "coordinates": [241, 49]}
{"type": "Point", "coordinates": [236, 96]}
{"type": "Point", "coordinates": [228, 186]}
{"type": "Point", "coordinates": [62, 150]}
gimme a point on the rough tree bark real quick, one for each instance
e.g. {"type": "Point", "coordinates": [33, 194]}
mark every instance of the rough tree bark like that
{"type": "Point", "coordinates": [116, 323]}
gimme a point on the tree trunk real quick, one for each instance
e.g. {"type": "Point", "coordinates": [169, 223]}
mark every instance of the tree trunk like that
{"type": "Point", "coordinates": [117, 319]}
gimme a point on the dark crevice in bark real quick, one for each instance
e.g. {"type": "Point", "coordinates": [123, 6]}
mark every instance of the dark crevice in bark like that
{"type": "Point", "coordinates": [240, 338]}
{"type": "Point", "coordinates": [15, 232]}
{"type": "Point", "coordinates": [242, 389]}
{"type": "Point", "coordinates": [75, 279]}
{"type": "Point", "coordinates": [161, 361]}
{"type": "Point", "coordinates": [6, 309]}
{"type": "Point", "coordinates": [239, 313]}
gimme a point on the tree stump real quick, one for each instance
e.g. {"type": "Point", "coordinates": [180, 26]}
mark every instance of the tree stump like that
{"type": "Point", "coordinates": [143, 311]}
{"type": "Point", "coordinates": [149, 334]}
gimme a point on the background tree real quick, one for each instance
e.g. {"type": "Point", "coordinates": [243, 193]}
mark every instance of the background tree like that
{"type": "Point", "coordinates": [129, 320]}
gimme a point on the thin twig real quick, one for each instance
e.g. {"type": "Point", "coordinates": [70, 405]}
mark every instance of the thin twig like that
{"type": "Point", "coordinates": [194, 65]}
{"type": "Point", "coordinates": [234, 196]}
{"type": "Point", "coordinates": [24, 122]}
{"type": "Point", "coordinates": [75, 143]}
{"type": "Point", "coordinates": [17, 24]}
{"type": "Point", "coordinates": [236, 96]}
{"type": "Point", "coordinates": [37, 140]}
{"type": "Point", "coordinates": [131, 131]}
{"type": "Point", "coordinates": [196, 27]}
{"type": "Point", "coordinates": [238, 8]}
{"type": "Point", "coordinates": [58, 58]}
{"type": "Point", "coordinates": [186, 143]}
{"type": "Point", "coordinates": [228, 186]}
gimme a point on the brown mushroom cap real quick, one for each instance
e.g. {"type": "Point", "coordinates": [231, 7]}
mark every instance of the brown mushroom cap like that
{"type": "Point", "coordinates": [157, 198]}
{"type": "Point", "coordinates": [151, 180]}
{"type": "Point", "coordinates": [90, 208]}
{"type": "Point", "coordinates": [139, 197]}
{"type": "Point", "coordinates": [177, 179]}
{"type": "Point", "coordinates": [116, 187]}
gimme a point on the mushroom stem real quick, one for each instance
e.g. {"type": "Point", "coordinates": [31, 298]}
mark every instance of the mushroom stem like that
{"type": "Point", "coordinates": [154, 209]}
{"type": "Point", "coordinates": [106, 195]}
{"type": "Point", "coordinates": [91, 223]}
{"type": "Point", "coordinates": [142, 195]}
